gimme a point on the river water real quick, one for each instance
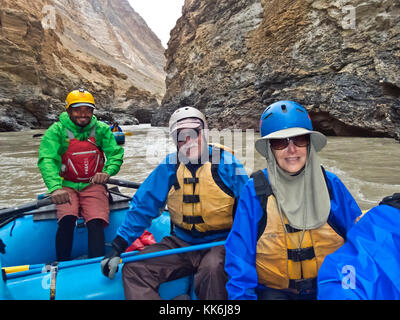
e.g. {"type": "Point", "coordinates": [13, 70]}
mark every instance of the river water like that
{"type": "Point", "coordinates": [369, 167]}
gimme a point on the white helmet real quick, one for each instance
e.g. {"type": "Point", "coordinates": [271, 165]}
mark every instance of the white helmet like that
{"type": "Point", "coordinates": [191, 114]}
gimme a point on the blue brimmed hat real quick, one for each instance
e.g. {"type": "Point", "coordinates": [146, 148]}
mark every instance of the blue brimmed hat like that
{"type": "Point", "coordinates": [285, 119]}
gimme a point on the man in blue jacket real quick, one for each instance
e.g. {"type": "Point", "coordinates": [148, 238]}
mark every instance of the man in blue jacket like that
{"type": "Point", "coordinates": [367, 266]}
{"type": "Point", "coordinates": [289, 216]}
{"type": "Point", "coordinates": [200, 183]}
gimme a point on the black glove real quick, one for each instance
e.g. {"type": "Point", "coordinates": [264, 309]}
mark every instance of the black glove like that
{"type": "Point", "coordinates": [110, 262]}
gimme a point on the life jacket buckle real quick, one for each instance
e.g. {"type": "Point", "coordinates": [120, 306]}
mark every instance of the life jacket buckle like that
{"type": "Point", "coordinates": [188, 198]}
{"type": "Point", "coordinates": [190, 180]}
{"type": "Point", "coordinates": [303, 285]}
{"type": "Point", "coordinates": [301, 254]}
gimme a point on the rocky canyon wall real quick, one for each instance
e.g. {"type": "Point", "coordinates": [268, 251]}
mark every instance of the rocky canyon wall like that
{"type": "Point", "coordinates": [340, 59]}
{"type": "Point", "coordinates": [48, 48]}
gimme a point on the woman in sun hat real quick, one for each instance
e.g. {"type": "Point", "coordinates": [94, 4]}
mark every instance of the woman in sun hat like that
{"type": "Point", "coordinates": [290, 215]}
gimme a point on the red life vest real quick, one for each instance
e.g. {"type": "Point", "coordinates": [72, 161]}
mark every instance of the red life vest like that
{"type": "Point", "coordinates": [82, 160]}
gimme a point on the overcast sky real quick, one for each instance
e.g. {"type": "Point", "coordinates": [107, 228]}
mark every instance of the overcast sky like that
{"type": "Point", "coordinates": [160, 15]}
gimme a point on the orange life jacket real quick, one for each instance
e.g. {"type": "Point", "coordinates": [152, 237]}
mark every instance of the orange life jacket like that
{"type": "Point", "coordinates": [287, 257]}
{"type": "Point", "coordinates": [202, 201]}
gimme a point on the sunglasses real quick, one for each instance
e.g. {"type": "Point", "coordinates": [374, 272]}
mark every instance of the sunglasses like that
{"type": "Point", "coordinates": [299, 141]}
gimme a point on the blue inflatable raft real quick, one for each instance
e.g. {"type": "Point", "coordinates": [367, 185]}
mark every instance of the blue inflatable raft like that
{"type": "Point", "coordinates": [29, 269]}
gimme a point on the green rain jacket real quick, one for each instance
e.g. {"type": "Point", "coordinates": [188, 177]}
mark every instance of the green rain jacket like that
{"type": "Point", "coordinates": [55, 143]}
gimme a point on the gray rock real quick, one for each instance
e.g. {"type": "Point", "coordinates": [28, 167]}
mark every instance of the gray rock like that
{"type": "Point", "coordinates": [232, 58]}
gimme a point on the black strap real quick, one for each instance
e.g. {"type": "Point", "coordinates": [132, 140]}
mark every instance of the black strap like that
{"type": "Point", "coordinates": [263, 191]}
{"type": "Point", "coordinates": [393, 200]}
{"type": "Point", "coordinates": [191, 198]}
{"type": "Point", "coordinates": [201, 234]}
{"type": "Point", "coordinates": [331, 221]}
{"type": "Point", "coordinates": [261, 184]}
{"type": "Point", "coordinates": [301, 254]}
{"type": "Point", "coordinates": [291, 229]}
{"type": "Point", "coordinates": [327, 183]}
{"type": "Point", "coordinates": [193, 219]}
{"type": "Point", "coordinates": [217, 152]}
{"type": "Point", "coordinates": [176, 183]}
{"type": "Point", "coordinates": [2, 247]}
{"type": "Point", "coordinates": [303, 284]}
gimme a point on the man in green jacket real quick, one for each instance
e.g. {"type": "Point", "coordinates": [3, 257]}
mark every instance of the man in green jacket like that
{"type": "Point", "coordinates": [72, 163]}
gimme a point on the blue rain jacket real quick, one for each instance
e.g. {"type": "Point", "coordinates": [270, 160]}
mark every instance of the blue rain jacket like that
{"type": "Point", "coordinates": [150, 199]}
{"type": "Point", "coordinates": [241, 243]}
{"type": "Point", "coordinates": [367, 265]}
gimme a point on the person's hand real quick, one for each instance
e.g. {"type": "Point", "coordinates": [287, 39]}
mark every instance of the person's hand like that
{"type": "Point", "coordinates": [100, 178]}
{"type": "Point", "coordinates": [110, 262]}
{"type": "Point", "coordinates": [60, 196]}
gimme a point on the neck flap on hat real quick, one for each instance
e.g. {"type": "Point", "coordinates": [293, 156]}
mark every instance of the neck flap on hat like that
{"type": "Point", "coordinates": [303, 198]}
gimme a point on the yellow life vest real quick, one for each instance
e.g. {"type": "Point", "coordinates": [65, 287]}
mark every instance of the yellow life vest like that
{"type": "Point", "coordinates": [287, 258]}
{"type": "Point", "coordinates": [203, 201]}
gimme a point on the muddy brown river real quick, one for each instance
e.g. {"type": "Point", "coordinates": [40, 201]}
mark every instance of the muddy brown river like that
{"type": "Point", "coordinates": [369, 167]}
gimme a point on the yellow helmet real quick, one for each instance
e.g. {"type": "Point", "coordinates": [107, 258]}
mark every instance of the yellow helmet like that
{"type": "Point", "coordinates": [79, 98]}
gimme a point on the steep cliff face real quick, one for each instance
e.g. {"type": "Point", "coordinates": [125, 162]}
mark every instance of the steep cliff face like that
{"type": "Point", "coordinates": [48, 48]}
{"type": "Point", "coordinates": [340, 59]}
